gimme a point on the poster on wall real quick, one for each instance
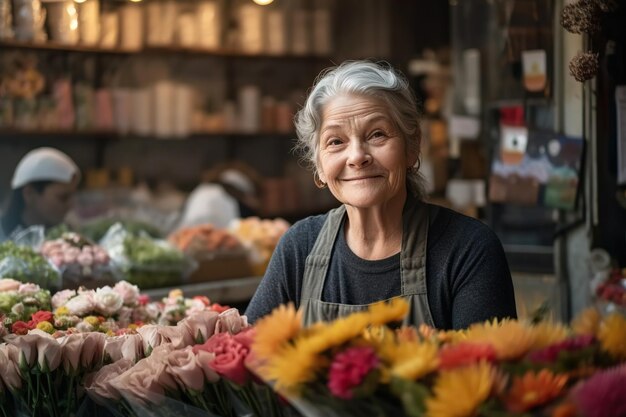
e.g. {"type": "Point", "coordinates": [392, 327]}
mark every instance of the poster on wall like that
{"type": "Point", "coordinates": [536, 168]}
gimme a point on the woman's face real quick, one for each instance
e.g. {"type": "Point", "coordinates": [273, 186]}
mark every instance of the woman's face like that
{"type": "Point", "coordinates": [362, 155]}
{"type": "Point", "coordinates": [50, 206]}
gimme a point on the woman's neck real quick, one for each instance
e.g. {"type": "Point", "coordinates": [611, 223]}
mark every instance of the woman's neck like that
{"type": "Point", "coordinates": [375, 233]}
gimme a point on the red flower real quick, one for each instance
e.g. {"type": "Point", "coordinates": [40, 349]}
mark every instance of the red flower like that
{"type": "Point", "coordinates": [205, 300]}
{"type": "Point", "coordinates": [348, 370]}
{"type": "Point", "coordinates": [143, 299]}
{"type": "Point", "coordinates": [22, 328]}
{"type": "Point", "coordinates": [602, 395]}
{"type": "Point", "coordinates": [219, 308]}
{"type": "Point", "coordinates": [465, 354]}
{"type": "Point", "coordinates": [550, 353]}
{"type": "Point", "coordinates": [42, 315]}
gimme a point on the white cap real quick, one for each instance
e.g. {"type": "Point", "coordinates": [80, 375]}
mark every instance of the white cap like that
{"type": "Point", "coordinates": [237, 180]}
{"type": "Point", "coordinates": [44, 164]}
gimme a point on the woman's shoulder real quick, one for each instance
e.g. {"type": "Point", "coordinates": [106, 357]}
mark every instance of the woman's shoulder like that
{"type": "Point", "coordinates": [445, 221]}
{"type": "Point", "coordinates": [307, 228]}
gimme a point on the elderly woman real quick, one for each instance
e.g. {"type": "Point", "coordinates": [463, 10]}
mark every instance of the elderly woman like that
{"type": "Point", "coordinates": [43, 186]}
{"type": "Point", "coordinates": [360, 130]}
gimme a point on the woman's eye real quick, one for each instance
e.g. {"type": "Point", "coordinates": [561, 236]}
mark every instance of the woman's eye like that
{"type": "Point", "coordinates": [377, 134]}
{"type": "Point", "coordinates": [334, 142]}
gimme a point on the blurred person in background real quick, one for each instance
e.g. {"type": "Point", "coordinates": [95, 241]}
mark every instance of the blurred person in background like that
{"type": "Point", "coordinates": [228, 192]}
{"type": "Point", "coordinates": [42, 190]}
{"type": "Point", "coordinates": [360, 131]}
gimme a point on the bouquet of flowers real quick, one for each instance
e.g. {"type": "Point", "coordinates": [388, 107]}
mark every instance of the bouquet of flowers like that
{"type": "Point", "coordinates": [362, 365]}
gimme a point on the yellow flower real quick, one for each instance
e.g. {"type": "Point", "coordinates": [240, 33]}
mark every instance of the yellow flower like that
{"type": "Point", "coordinates": [411, 360]}
{"type": "Point", "coordinates": [459, 392]}
{"type": "Point", "coordinates": [175, 293]}
{"type": "Point", "coordinates": [612, 335]}
{"type": "Point", "coordinates": [587, 322]}
{"type": "Point", "coordinates": [548, 333]}
{"type": "Point", "coordinates": [46, 326]}
{"type": "Point", "coordinates": [511, 339]}
{"type": "Point", "coordinates": [338, 332]}
{"type": "Point", "coordinates": [93, 320]}
{"type": "Point", "coordinates": [291, 367]}
{"type": "Point", "coordinates": [62, 311]}
{"type": "Point", "coordinates": [385, 312]}
{"type": "Point", "coordinates": [272, 331]}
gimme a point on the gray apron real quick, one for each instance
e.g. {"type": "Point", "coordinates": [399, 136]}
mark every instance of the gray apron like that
{"type": "Point", "coordinates": [412, 269]}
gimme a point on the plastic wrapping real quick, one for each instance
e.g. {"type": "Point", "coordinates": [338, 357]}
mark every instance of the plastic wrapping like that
{"type": "Point", "coordinates": [19, 259]}
{"type": "Point", "coordinates": [144, 261]}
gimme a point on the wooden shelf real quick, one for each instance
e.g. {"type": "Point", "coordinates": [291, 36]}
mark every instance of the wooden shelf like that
{"type": "Point", "coordinates": [157, 50]}
{"type": "Point", "coordinates": [233, 290]}
{"type": "Point", "coordinates": [7, 134]}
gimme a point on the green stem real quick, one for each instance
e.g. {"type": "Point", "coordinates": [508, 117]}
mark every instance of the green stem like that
{"type": "Point", "coordinates": [52, 397]}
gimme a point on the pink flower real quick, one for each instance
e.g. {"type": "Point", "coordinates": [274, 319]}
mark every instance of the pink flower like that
{"type": "Point", "coordinates": [113, 348]}
{"type": "Point", "coordinates": [229, 357]}
{"type": "Point", "coordinates": [128, 292]}
{"type": "Point", "coordinates": [81, 305]}
{"type": "Point", "coordinates": [141, 382]}
{"type": "Point", "coordinates": [200, 325]}
{"type": "Point", "coordinates": [49, 351]}
{"type": "Point", "coordinates": [230, 321]}
{"type": "Point", "coordinates": [62, 297]}
{"type": "Point", "coordinates": [27, 346]}
{"type": "Point", "coordinates": [72, 346]}
{"type": "Point", "coordinates": [143, 299]}
{"type": "Point", "coordinates": [246, 337]}
{"type": "Point", "coordinates": [9, 284]}
{"type": "Point", "coordinates": [182, 365]}
{"type": "Point", "coordinates": [204, 359]}
{"type": "Point", "coordinates": [29, 289]}
{"type": "Point", "coordinates": [92, 350]}
{"type": "Point", "coordinates": [10, 374]}
{"type": "Point", "coordinates": [98, 384]}
{"type": "Point", "coordinates": [178, 336]}
{"type": "Point", "coordinates": [602, 395]}
{"type": "Point", "coordinates": [42, 315]}
{"type": "Point", "coordinates": [550, 353]}
{"type": "Point", "coordinates": [150, 336]}
{"type": "Point", "coordinates": [348, 370]}
{"type": "Point", "coordinates": [133, 347]}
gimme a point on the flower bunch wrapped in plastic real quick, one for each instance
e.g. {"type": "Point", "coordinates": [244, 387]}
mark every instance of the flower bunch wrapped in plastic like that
{"type": "Point", "coordinates": [19, 301]}
{"type": "Point", "coordinates": [359, 365]}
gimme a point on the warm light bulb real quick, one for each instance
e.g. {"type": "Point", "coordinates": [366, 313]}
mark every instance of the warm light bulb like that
{"type": "Point", "coordinates": [135, 1]}
{"type": "Point", "coordinates": [79, 1]}
{"type": "Point", "coordinates": [263, 2]}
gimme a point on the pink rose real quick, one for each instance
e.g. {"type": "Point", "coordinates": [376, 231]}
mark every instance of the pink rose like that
{"type": "Point", "coordinates": [182, 365]}
{"type": "Point", "coordinates": [231, 321]}
{"type": "Point", "coordinates": [10, 374]}
{"type": "Point", "coordinates": [81, 305]}
{"type": "Point", "coordinates": [150, 336]}
{"type": "Point", "coordinates": [204, 359]}
{"type": "Point", "coordinates": [98, 384]}
{"type": "Point", "coordinates": [133, 347]}
{"type": "Point", "coordinates": [61, 297]}
{"type": "Point", "coordinates": [93, 349]}
{"type": "Point", "coordinates": [140, 382]}
{"type": "Point", "coordinates": [49, 351]}
{"type": "Point", "coordinates": [72, 346]}
{"type": "Point", "coordinates": [29, 289]}
{"type": "Point", "coordinates": [200, 325]}
{"type": "Point", "coordinates": [128, 292]}
{"type": "Point", "coordinates": [178, 336]}
{"type": "Point", "coordinates": [246, 337]}
{"type": "Point", "coordinates": [229, 357]}
{"type": "Point", "coordinates": [9, 284]}
{"type": "Point", "coordinates": [27, 346]}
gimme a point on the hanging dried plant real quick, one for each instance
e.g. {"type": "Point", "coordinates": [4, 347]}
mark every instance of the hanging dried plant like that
{"type": "Point", "coordinates": [582, 16]}
{"type": "Point", "coordinates": [584, 66]}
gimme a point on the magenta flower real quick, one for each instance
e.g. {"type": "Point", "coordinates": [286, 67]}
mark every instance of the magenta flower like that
{"type": "Point", "coordinates": [603, 394]}
{"type": "Point", "coordinates": [551, 353]}
{"type": "Point", "coordinates": [348, 370]}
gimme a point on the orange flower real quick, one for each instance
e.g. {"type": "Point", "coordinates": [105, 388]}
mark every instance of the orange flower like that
{"type": "Point", "coordinates": [464, 354]}
{"type": "Point", "coordinates": [409, 334]}
{"type": "Point", "coordinates": [534, 389]}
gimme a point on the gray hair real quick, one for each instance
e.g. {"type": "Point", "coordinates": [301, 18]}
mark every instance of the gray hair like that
{"type": "Point", "coordinates": [364, 78]}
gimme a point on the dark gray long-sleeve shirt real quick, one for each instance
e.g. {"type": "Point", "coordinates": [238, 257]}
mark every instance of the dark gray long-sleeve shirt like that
{"type": "Point", "coordinates": [467, 275]}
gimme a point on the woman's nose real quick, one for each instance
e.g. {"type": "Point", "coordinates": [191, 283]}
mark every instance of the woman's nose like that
{"type": "Point", "coordinates": [358, 154]}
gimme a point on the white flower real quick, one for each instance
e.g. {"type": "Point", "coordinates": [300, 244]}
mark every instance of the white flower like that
{"type": "Point", "coordinates": [29, 289]}
{"type": "Point", "coordinates": [61, 297]}
{"type": "Point", "coordinates": [84, 327]}
{"type": "Point", "coordinates": [108, 301]}
{"type": "Point", "coordinates": [81, 304]}
{"type": "Point", "coordinates": [17, 309]}
{"type": "Point", "coordinates": [128, 292]}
